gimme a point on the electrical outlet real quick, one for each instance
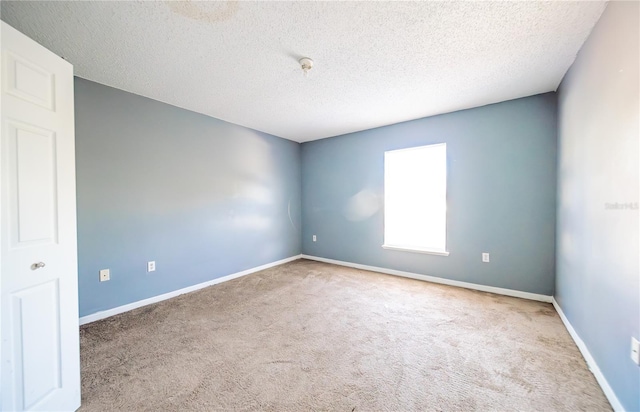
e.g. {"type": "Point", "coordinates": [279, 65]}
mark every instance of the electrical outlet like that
{"type": "Point", "coordinates": [485, 257]}
{"type": "Point", "coordinates": [635, 351]}
{"type": "Point", "coordinates": [105, 275]}
{"type": "Point", "coordinates": [314, 238]}
{"type": "Point", "coordinates": [151, 266]}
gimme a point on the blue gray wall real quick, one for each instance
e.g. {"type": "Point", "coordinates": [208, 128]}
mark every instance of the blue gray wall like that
{"type": "Point", "coordinates": [202, 197]}
{"type": "Point", "coordinates": [501, 195]}
{"type": "Point", "coordinates": [598, 280]}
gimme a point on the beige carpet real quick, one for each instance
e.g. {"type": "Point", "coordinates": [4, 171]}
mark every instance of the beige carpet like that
{"type": "Point", "coordinates": [313, 336]}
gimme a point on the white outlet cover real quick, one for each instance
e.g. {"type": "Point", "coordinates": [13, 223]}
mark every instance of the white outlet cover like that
{"type": "Point", "coordinates": [635, 351]}
{"type": "Point", "coordinates": [485, 257]}
{"type": "Point", "coordinates": [314, 238]}
{"type": "Point", "coordinates": [105, 275]}
{"type": "Point", "coordinates": [151, 266]}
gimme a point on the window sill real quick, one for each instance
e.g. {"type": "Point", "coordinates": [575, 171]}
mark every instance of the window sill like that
{"type": "Point", "coordinates": [416, 250]}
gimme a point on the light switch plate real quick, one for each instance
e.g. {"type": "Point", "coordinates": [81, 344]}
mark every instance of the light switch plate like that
{"type": "Point", "coordinates": [485, 257]}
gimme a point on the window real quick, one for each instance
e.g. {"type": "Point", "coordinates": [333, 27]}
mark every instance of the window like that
{"type": "Point", "coordinates": [415, 199]}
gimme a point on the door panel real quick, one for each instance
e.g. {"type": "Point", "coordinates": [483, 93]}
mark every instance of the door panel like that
{"type": "Point", "coordinates": [30, 82]}
{"type": "Point", "coordinates": [32, 153]}
{"type": "Point", "coordinates": [36, 333]}
{"type": "Point", "coordinates": [40, 359]}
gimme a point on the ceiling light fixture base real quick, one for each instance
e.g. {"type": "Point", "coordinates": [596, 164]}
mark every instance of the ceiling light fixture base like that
{"type": "Point", "coordinates": [306, 64]}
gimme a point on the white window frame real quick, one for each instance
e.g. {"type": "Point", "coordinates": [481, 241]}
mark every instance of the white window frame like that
{"type": "Point", "coordinates": [413, 248]}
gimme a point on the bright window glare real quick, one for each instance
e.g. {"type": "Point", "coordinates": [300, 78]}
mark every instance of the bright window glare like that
{"type": "Point", "coordinates": [415, 198]}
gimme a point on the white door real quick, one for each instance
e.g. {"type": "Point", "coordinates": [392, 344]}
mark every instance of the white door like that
{"type": "Point", "coordinates": [40, 367]}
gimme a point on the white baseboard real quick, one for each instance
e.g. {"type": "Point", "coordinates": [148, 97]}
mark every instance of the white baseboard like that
{"type": "Point", "coordinates": [130, 306]}
{"type": "Point", "coordinates": [593, 366]}
{"type": "Point", "coordinates": [433, 279]}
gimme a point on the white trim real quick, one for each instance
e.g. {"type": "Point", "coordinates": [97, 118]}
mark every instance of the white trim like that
{"type": "Point", "coordinates": [417, 250]}
{"type": "Point", "coordinates": [134, 305]}
{"type": "Point", "coordinates": [593, 366]}
{"type": "Point", "coordinates": [433, 279]}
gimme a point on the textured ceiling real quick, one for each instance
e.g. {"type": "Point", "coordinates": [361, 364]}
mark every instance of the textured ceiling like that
{"type": "Point", "coordinates": [376, 63]}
